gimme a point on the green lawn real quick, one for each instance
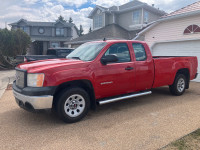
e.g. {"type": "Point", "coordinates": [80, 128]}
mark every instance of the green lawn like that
{"type": "Point", "coordinates": [188, 142]}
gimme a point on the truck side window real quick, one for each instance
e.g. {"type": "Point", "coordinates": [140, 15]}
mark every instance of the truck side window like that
{"type": "Point", "coordinates": [139, 51]}
{"type": "Point", "coordinates": [121, 51]}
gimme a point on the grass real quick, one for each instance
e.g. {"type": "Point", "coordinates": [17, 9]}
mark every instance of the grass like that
{"type": "Point", "coordinates": [188, 142]}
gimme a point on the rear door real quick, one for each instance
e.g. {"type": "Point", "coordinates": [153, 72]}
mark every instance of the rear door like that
{"type": "Point", "coordinates": [144, 67]}
{"type": "Point", "coordinates": [116, 78]}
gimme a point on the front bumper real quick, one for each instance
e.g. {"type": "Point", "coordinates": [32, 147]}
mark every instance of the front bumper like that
{"type": "Point", "coordinates": [33, 99]}
{"type": "Point", "coordinates": [33, 102]}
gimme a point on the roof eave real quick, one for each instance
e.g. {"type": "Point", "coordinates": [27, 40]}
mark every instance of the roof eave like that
{"type": "Point", "coordinates": [140, 6]}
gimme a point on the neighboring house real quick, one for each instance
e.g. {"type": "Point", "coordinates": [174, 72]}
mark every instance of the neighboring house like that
{"type": "Point", "coordinates": [176, 34]}
{"type": "Point", "coordinates": [131, 17]}
{"type": "Point", "coordinates": [46, 34]}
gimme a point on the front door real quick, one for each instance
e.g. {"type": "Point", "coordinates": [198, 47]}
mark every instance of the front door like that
{"type": "Point", "coordinates": [115, 78]}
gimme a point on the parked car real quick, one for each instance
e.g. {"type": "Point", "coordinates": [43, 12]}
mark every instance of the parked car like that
{"type": "Point", "coordinates": [52, 53]}
{"type": "Point", "coordinates": [98, 73]}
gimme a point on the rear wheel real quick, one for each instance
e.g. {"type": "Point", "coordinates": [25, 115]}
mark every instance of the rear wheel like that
{"type": "Point", "coordinates": [179, 85]}
{"type": "Point", "coordinates": [73, 104]}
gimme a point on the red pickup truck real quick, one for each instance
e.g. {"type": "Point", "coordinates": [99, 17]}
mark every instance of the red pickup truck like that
{"type": "Point", "coordinates": [98, 72]}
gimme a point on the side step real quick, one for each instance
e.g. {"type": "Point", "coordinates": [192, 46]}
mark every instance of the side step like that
{"type": "Point", "coordinates": [123, 97]}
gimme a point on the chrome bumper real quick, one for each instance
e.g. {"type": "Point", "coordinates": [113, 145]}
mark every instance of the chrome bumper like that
{"type": "Point", "coordinates": [37, 102]}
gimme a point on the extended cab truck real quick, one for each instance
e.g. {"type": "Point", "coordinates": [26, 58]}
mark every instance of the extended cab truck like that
{"type": "Point", "coordinates": [98, 73]}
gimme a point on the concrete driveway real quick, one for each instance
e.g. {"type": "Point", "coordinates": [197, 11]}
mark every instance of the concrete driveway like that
{"type": "Point", "coordinates": [144, 123]}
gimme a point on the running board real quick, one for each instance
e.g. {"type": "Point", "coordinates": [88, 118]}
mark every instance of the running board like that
{"type": "Point", "coordinates": [123, 97]}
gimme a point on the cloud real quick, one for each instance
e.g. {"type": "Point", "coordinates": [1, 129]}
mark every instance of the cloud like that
{"type": "Point", "coordinates": [30, 2]}
{"type": "Point", "coordinates": [49, 10]}
{"type": "Point", "coordinates": [169, 5]}
{"type": "Point", "coordinates": [76, 3]}
{"type": "Point", "coordinates": [166, 5]}
{"type": "Point", "coordinates": [109, 3]}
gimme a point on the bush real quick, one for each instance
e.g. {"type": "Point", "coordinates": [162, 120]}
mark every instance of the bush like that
{"type": "Point", "coordinates": [12, 43]}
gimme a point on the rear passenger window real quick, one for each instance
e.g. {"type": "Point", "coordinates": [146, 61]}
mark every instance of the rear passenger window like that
{"type": "Point", "coordinates": [121, 51]}
{"type": "Point", "coordinates": [139, 51]}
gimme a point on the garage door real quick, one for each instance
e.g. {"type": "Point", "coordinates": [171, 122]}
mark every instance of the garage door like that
{"type": "Point", "coordinates": [183, 48]}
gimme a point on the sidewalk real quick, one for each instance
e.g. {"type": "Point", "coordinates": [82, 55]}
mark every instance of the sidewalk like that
{"type": "Point", "coordinates": [6, 77]}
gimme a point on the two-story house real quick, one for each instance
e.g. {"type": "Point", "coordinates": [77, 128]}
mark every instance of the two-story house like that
{"type": "Point", "coordinates": [46, 34]}
{"type": "Point", "coordinates": [119, 22]}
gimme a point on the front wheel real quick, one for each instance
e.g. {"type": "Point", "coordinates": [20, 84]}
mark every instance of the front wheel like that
{"type": "Point", "coordinates": [73, 104]}
{"type": "Point", "coordinates": [179, 85]}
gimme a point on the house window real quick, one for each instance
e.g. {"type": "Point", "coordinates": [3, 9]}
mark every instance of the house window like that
{"type": "Point", "coordinates": [136, 17]}
{"type": "Point", "coordinates": [192, 29]}
{"type": "Point", "coordinates": [55, 44]}
{"type": "Point", "coordinates": [98, 21]}
{"type": "Point", "coordinates": [146, 17]}
{"type": "Point", "coordinates": [59, 32]}
{"type": "Point", "coordinates": [41, 30]}
{"type": "Point", "coordinates": [25, 29]}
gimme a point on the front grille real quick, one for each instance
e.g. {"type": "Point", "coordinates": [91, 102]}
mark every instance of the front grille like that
{"type": "Point", "coordinates": [20, 78]}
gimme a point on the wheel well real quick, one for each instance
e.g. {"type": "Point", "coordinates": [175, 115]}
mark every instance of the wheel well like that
{"type": "Point", "coordinates": [85, 84]}
{"type": "Point", "coordinates": [185, 72]}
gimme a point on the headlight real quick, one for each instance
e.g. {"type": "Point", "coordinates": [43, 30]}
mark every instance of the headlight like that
{"type": "Point", "coordinates": [35, 79]}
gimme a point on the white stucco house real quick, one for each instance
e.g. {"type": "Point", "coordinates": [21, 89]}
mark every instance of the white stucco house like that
{"type": "Point", "coordinates": [175, 34]}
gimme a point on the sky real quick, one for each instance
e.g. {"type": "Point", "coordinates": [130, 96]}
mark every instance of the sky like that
{"type": "Point", "coordinates": [49, 10]}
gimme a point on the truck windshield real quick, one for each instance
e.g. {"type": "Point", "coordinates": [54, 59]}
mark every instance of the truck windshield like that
{"type": "Point", "coordinates": [87, 51]}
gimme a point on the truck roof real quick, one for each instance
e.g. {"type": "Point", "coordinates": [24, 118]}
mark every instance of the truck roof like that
{"type": "Point", "coordinates": [114, 41]}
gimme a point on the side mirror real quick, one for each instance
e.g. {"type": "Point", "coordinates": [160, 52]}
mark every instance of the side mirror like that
{"type": "Point", "coordinates": [109, 59]}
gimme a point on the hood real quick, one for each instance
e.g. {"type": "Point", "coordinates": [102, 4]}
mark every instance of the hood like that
{"type": "Point", "coordinates": [41, 65]}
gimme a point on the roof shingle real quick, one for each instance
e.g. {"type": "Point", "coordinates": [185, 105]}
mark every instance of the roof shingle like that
{"type": "Point", "coordinates": [112, 31]}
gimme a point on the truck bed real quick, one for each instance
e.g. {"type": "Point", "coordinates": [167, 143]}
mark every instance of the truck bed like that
{"type": "Point", "coordinates": [166, 68]}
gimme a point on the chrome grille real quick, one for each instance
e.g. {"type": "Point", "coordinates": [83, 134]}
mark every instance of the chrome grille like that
{"type": "Point", "coordinates": [20, 78]}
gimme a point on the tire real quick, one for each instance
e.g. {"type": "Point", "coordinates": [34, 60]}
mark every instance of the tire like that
{"type": "Point", "coordinates": [73, 104]}
{"type": "Point", "coordinates": [179, 85]}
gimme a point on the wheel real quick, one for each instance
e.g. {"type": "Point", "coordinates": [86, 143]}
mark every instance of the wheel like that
{"type": "Point", "coordinates": [178, 87]}
{"type": "Point", "coordinates": [73, 104]}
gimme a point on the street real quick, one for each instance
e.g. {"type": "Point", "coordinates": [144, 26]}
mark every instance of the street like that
{"type": "Point", "coordinates": [145, 123]}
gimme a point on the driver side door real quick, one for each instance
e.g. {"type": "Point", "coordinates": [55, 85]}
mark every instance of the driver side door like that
{"type": "Point", "coordinates": [115, 78]}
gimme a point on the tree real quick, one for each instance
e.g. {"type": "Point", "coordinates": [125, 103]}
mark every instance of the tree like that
{"type": "Point", "coordinates": [70, 20]}
{"type": "Point", "coordinates": [81, 30]}
{"type": "Point", "coordinates": [12, 43]}
{"type": "Point", "coordinates": [61, 18]}
{"type": "Point", "coordinates": [90, 30]}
